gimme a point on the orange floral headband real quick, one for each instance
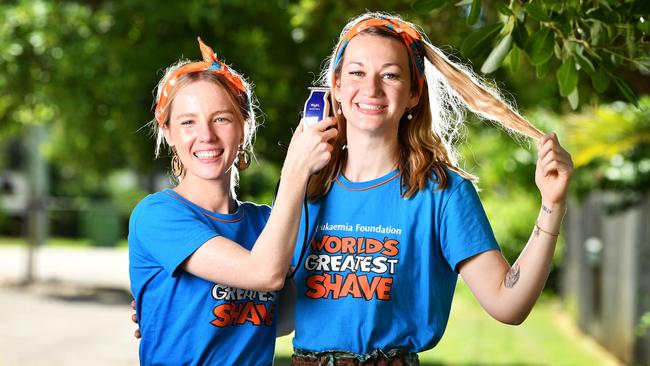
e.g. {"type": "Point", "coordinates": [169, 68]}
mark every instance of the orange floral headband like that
{"type": "Point", "coordinates": [210, 63]}
{"type": "Point", "coordinates": [409, 35]}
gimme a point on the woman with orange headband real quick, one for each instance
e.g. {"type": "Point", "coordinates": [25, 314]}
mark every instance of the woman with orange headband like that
{"type": "Point", "coordinates": [393, 219]}
{"type": "Point", "coordinates": [204, 266]}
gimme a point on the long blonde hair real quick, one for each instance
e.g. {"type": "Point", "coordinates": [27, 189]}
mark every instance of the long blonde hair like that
{"type": "Point", "coordinates": [427, 141]}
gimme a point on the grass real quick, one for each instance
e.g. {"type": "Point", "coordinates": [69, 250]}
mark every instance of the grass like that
{"type": "Point", "coordinates": [547, 337]}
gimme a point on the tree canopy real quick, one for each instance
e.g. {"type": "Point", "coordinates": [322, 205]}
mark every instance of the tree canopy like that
{"type": "Point", "coordinates": [86, 70]}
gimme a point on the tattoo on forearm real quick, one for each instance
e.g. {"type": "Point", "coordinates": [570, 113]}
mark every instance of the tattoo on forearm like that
{"type": "Point", "coordinates": [512, 276]}
{"type": "Point", "coordinates": [547, 210]}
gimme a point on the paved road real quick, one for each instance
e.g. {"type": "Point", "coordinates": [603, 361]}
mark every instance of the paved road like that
{"type": "Point", "coordinates": [76, 314]}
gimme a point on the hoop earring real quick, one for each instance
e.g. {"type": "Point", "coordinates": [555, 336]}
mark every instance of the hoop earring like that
{"type": "Point", "coordinates": [409, 115]}
{"type": "Point", "coordinates": [243, 160]}
{"type": "Point", "coordinates": [177, 166]}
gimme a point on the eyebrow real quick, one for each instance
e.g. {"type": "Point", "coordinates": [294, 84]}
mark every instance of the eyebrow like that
{"type": "Point", "coordinates": [190, 114]}
{"type": "Point", "coordinates": [383, 66]}
{"type": "Point", "coordinates": [184, 115]}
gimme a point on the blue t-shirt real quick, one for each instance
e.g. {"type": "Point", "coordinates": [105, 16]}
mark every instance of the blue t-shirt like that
{"type": "Point", "coordinates": [380, 270]}
{"type": "Point", "coordinates": [186, 320]}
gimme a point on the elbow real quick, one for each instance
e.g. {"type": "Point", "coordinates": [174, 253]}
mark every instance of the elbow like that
{"type": "Point", "coordinates": [513, 320]}
{"type": "Point", "coordinates": [273, 281]}
{"type": "Point", "coordinates": [516, 318]}
{"type": "Point", "coordinates": [276, 284]}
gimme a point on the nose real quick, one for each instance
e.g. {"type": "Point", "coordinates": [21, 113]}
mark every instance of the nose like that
{"type": "Point", "coordinates": [207, 132]}
{"type": "Point", "coordinates": [371, 85]}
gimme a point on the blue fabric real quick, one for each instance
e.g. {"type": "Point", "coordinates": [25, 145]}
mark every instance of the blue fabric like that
{"type": "Point", "coordinates": [380, 270]}
{"type": "Point", "coordinates": [184, 319]}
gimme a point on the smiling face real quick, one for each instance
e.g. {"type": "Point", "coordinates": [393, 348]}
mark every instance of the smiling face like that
{"type": "Point", "coordinates": [374, 86]}
{"type": "Point", "coordinates": [205, 128]}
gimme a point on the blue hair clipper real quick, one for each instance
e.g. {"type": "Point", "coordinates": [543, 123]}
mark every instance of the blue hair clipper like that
{"type": "Point", "coordinates": [317, 106]}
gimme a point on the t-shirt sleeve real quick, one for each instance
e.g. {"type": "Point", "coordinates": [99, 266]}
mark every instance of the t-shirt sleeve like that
{"type": "Point", "coordinates": [465, 230]}
{"type": "Point", "coordinates": [170, 233]}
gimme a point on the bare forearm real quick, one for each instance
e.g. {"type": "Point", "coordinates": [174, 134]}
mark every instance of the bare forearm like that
{"type": "Point", "coordinates": [509, 293]}
{"type": "Point", "coordinates": [524, 281]}
{"type": "Point", "coordinates": [273, 249]}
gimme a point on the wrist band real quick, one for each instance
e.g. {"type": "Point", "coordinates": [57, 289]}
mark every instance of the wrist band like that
{"type": "Point", "coordinates": [544, 231]}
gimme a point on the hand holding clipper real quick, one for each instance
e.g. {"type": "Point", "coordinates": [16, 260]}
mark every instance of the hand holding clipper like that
{"type": "Point", "coordinates": [317, 106]}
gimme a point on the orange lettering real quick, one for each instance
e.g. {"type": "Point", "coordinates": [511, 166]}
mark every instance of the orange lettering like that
{"type": "Point", "coordinates": [333, 287]}
{"type": "Point", "coordinates": [347, 244]}
{"type": "Point", "coordinates": [249, 314]}
{"type": "Point", "coordinates": [222, 312]}
{"type": "Point", "coordinates": [383, 290]}
{"type": "Point", "coordinates": [316, 290]}
{"type": "Point", "coordinates": [318, 246]}
{"type": "Point", "coordinates": [373, 245]}
{"type": "Point", "coordinates": [333, 244]}
{"type": "Point", "coordinates": [350, 286]}
{"type": "Point", "coordinates": [391, 248]}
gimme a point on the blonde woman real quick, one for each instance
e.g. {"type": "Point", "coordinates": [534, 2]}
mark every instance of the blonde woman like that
{"type": "Point", "coordinates": [205, 268]}
{"type": "Point", "coordinates": [393, 219]}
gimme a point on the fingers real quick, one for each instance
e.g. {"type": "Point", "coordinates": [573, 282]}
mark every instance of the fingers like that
{"type": "Point", "coordinates": [552, 157]}
{"type": "Point", "coordinates": [133, 304]}
{"type": "Point", "coordinates": [324, 124]}
{"type": "Point", "coordinates": [329, 134]}
{"type": "Point", "coordinates": [134, 318]}
{"type": "Point", "coordinates": [137, 334]}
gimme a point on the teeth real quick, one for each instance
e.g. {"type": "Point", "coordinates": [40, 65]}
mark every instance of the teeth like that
{"type": "Point", "coordinates": [371, 106]}
{"type": "Point", "coordinates": [206, 154]}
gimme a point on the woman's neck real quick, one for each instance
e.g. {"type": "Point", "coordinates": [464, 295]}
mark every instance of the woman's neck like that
{"type": "Point", "coordinates": [212, 195]}
{"type": "Point", "coordinates": [370, 156]}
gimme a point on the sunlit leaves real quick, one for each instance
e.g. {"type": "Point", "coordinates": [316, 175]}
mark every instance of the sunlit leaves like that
{"type": "Point", "coordinates": [591, 38]}
{"type": "Point", "coordinates": [425, 6]}
{"type": "Point", "coordinates": [474, 12]}
{"type": "Point", "coordinates": [567, 77]}
{"type": "Point", "coordinates": [477, 41]}
{"type": "Point", "coordinates": [498, 54]}
{"type": "Point", "coordinates": [540, 46]}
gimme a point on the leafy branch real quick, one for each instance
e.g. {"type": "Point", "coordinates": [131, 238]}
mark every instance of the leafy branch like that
{"type": "Point", "coordinates": [592, 38]}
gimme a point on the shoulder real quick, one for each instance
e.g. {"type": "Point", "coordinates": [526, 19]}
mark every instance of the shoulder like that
{"type": "Point", "coordinates": [455, 182]}
{"type": "Point", "coordinates": [256, 209]}
{"type": "Point", "coordinates": [160, 205]}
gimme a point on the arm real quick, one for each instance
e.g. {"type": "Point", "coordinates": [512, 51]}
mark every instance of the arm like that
{"type": "Point", "coordinates": [509, 293]}
{"type": "Point", "coordinates": [264, 267]}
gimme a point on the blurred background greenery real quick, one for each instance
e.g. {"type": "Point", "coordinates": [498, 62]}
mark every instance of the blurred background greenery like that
{"type": "Point", "coordinates": [77, 81]}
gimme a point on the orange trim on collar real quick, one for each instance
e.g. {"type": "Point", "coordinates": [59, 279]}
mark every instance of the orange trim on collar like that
{"type": "Point", "coordinates": [241, 215]}
{"type": "Point", "coordinates": [367, 188]}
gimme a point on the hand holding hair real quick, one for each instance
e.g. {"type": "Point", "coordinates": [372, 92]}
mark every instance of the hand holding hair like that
{"type": "Point", "coordinates": [553, 171]}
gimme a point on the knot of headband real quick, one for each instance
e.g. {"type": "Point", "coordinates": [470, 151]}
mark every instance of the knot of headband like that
{"type": "Point", "coordinates": [210, 63]}
{"type": "Point", "coordinates": [409, 35]}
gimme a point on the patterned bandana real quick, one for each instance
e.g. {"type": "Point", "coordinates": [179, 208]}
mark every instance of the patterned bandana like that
{"type": "Point", "coordinates": [410, 36]}
{"type": "Point", "coordinates": [210, 63]}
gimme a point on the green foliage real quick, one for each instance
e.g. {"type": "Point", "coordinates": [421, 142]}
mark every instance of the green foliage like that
{"type": "Point", "coordinates": [611, 149]}
{"type": "Point", "coordinates": [506, 170]}
{"type": "Point", "coordinates": [257, 182]}
{"type": "Point", "coordinates": [595, 39]}
{"type": "Point", "coordinates": [644, 324]}
{"type": "Point", "coordinates": [86, 71]}
{"type": "Point", "coordinates": [478, 40]}
{"type": "Point", "coordinates": [497, 55]}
